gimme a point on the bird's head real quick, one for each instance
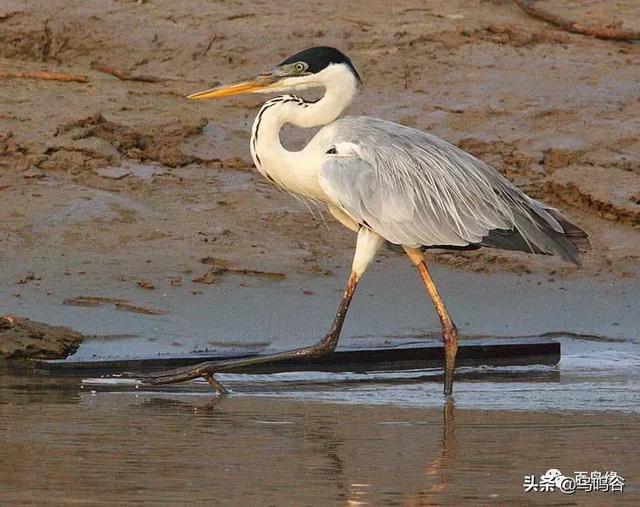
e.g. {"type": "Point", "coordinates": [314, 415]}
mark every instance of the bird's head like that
{"type": "Point", "coordinates": [311, 68]}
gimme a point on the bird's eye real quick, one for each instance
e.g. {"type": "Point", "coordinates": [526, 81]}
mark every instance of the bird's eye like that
{"type": "Point", "coordinates": [299, 67]}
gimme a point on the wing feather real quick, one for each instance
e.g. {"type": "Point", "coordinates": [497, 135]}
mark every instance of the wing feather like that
{"type": "Point", "coordinates": [416, 189]}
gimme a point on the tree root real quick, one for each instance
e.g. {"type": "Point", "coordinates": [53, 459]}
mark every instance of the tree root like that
{"type": "Point", "coordinates": [124, 75]}
{"type": "Point", "coordinates": [607, 33]}
{"type": "Point", "coordinates": [49, 76]}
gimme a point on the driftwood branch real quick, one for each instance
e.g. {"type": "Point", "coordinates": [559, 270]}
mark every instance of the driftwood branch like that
{"type": "Point", "coordinates": [50, 76]}
{"type": "Point", "coordinates": [600, 32]}
{"type": "Point", "coordinates": [124, 75]}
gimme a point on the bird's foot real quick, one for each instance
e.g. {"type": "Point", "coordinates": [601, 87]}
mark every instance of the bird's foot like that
{"type": "Point", "coordinates": [217, 386]}
{"type": "Point", "coordinates": [208, 369]}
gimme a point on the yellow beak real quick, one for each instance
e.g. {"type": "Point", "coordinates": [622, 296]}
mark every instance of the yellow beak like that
{"type": "Point", "coordinates": [254, 85]}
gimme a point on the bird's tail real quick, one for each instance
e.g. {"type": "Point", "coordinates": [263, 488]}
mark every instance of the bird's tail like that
{"type": "Point", "coordinates": [543, 230]}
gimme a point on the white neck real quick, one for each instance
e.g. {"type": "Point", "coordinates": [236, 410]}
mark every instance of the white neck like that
{"type": "Point", "coordinates": [291, 169]}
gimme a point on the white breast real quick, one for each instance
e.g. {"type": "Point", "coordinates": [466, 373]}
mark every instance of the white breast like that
{"type": "Point", "coordinates": [294, 171]}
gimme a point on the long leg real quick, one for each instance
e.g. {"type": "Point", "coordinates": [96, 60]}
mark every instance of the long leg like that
{"type": "Point", "coordinates": [449, 330]}
{"type": "Point", "coordinates": [367, 246]}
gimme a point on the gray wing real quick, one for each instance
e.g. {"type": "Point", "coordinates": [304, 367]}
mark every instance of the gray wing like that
{"type": "Point", "coordinates": [415, 189]}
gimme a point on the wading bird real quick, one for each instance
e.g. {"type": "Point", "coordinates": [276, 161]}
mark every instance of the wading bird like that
{"type": "Point", "coordinates": [389, 184]}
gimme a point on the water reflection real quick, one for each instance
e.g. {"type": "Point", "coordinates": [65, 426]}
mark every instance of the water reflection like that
{"type": "Point", "coordinates": [191, 447]}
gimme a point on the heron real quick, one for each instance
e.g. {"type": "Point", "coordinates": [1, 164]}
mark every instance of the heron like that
{"type": "Point", "coordinates": [388, 183]}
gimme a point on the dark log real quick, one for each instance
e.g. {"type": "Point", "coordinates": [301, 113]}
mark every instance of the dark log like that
{"type": "Point", "coordinates": [397, 356]}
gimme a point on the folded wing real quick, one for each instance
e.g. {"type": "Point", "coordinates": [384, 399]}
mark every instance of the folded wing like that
{"type": "Point", "coordinates": [415, 189]}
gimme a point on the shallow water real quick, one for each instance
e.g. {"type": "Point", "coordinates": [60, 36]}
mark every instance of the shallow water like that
{"type": "Point", "coordinates": [325, 439]}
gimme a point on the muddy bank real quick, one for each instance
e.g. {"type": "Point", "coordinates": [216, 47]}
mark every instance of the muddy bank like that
{"type": "Point", "coordinates": [122, 163]}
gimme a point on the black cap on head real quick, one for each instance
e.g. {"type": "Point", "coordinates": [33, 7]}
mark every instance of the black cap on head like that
{"type": "Point", "coordinates": [320, 57]}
